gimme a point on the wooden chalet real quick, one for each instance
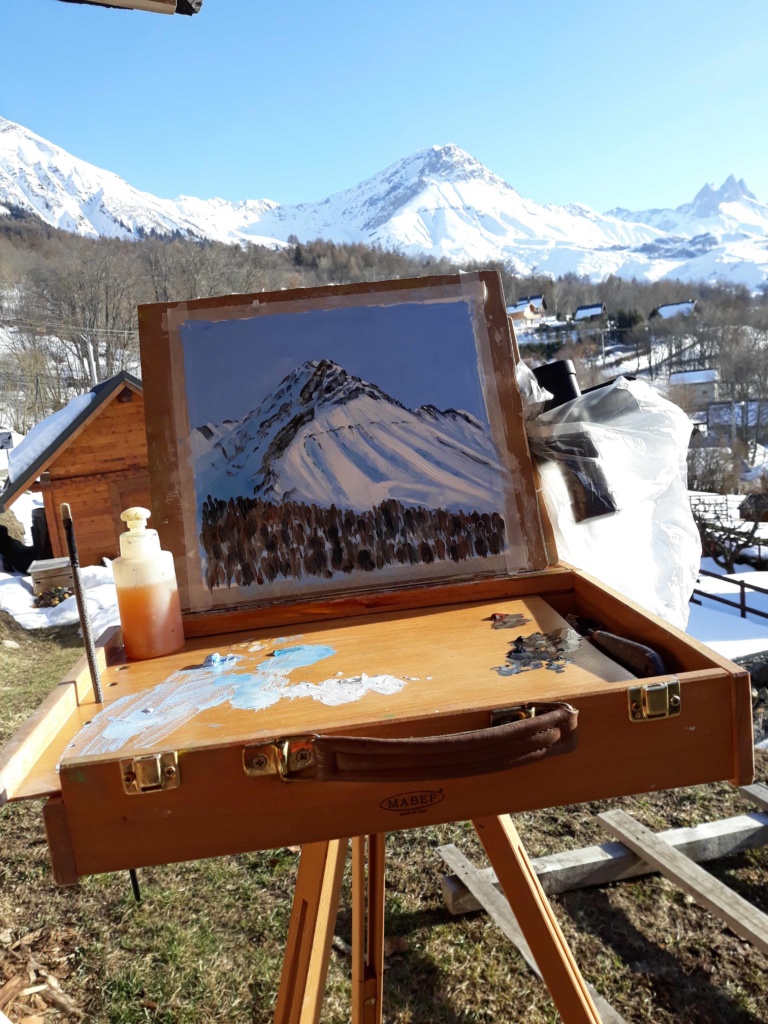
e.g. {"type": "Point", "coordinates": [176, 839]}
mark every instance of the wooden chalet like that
{"type": "Point", "coordinates": [595, 311]}
{"type": "Point", "coordinates": [97, 463]}
{"type": "Point", "coordinates": [698, 386]}
{"type": "Point", "coordinates": [673, 309]}
{"type": "Point", "coordinates": [527, 311]}
{"type": "Point", "coordinates": [754, 508]}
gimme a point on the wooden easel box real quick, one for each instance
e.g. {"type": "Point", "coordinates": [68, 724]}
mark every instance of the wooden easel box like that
{"type": "Point", "coordinates": [438, 638]}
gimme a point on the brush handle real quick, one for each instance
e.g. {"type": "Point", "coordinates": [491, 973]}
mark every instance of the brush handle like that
{"type": "Point", "coordinates": [85, 622]}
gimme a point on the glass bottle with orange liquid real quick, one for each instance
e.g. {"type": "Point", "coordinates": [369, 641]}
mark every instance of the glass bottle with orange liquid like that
{"type": "Point", "coordinates": [147, 592]}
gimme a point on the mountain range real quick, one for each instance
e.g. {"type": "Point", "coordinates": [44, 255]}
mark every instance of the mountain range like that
{"type": "Point", "coordinates": [439, 201]}
{"type": "Point", "coordinates": [325, 437]}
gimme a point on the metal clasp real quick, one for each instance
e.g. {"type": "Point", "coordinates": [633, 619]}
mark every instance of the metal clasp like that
{"type": "Point", "coordinates": [280, 757]}
{"type": "Point", "coordinates": [151, 773]}
{"type": "Point", "coordinates": [654, 700]}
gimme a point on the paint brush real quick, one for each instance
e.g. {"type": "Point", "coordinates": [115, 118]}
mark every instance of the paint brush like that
{"type": "Point", "coordinates": [85, 623]}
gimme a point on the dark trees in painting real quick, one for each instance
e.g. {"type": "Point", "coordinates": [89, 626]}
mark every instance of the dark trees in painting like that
{"type": "Point", "coordinates": [250, 541]}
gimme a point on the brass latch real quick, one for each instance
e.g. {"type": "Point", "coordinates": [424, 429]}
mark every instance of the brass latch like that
{"type": "Point", "coordinates": [654, 700]}
{"type": "Point", "coordinates": [151, 773]}
{"type": "Point", "coordinates": [280, 757]}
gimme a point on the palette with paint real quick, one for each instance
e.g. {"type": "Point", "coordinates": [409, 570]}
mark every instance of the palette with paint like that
{"type": "Point", "coordinates": [343, 477]}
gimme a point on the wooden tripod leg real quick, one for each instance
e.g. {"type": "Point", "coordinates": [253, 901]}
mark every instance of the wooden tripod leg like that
{"type": "Point", "coordinates": [367, 935]}
{"type": "Point", "coordinates": [536, 919]}
{"type": "Point", "coordinates": [310, 933]}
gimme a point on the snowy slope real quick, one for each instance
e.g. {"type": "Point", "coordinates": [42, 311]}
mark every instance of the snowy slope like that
{"type": "Point", "coordinates": [76, 196]}
{"type": "Point", "coordinates": [438, 201]}
{"type": "Point", "coordinates": [729, 211]}
{"type": "Point", "coordinates": [327, 438]}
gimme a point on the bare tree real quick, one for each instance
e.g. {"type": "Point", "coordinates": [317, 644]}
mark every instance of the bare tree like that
{"type": "Point", "coordinates": [88, 296]}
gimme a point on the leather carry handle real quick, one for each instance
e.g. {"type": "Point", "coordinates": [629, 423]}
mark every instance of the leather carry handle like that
{"type": "Point", "coordinates": [548, 731]}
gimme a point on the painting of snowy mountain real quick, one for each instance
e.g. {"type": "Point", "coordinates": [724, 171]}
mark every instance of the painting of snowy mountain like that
{"type": "Point", "coordinates": [350, 443]}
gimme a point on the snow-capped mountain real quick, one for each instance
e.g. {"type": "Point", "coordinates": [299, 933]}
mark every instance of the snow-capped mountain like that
{"type": "Point", "coordinates": [439, 201]}
{"type": "Point", "coordinates": [327, 438]}
{"type": "Point", "coordinates": [76, 196]}
{"type": "Point", "coordinates": [729, 210]}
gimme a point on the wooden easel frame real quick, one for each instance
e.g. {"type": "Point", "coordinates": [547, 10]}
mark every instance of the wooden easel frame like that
{"type": "Point", "coordinates": [314, 914]}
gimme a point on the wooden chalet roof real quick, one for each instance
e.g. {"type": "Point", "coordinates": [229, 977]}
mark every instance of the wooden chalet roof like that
{"type": "Point", "coordinates": [586, 312]}
{"type": "Point", "coordinates": [694, 377]}
{"type": "Point", "coordinates": [671, 309]}
{"type": "Point", "coordinates": [105, 392]}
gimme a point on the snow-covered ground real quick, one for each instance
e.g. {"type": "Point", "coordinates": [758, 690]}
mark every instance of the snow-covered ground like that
{"type": "Point", "coordinates": [721, 627]}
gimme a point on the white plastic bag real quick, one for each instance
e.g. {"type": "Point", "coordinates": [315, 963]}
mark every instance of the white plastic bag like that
{"type": "Point", "coordinates": [613, 472]}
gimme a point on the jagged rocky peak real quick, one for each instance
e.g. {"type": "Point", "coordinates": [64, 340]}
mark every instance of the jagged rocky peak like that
{"type": "Point", "coordinates": [432, 412]}
{"type": "Point", "coordinates": [327, 383]}
{"type": "Point", "coordinates": [709, 198]}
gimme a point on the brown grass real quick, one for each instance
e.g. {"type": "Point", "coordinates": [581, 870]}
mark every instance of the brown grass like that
{"type": "Point", "coordinates": [205, 945]}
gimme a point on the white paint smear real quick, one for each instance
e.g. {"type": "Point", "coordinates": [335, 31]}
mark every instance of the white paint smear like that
{"type": "Point", "coordinates": [143, 720]}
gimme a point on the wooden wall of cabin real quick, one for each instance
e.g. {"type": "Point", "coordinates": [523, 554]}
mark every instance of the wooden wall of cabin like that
{"type": "Point", "coordinates": [103, 471]}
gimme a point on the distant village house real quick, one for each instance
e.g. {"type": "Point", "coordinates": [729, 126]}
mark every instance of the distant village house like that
{"type": "Point", "coordinates": [747, 419]}
{"type": "Point", "coordinates": [528, 311]}
{"type": "Point", "coordinates": [754, 508]}
{"type": "Point", "coordinates": [672, 309]}
{"type": "Point", "coordinates": [693, 389]}
{"type": "Point", "coordinates": [587, 314]}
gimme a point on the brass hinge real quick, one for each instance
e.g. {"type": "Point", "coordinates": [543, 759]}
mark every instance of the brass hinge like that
{"type": "Point", "coordinates": [280, 757]}
{"type": "Point", "coordinates": [151, 773]}
{"type": "Point", "coordinates": [502, 716]}
{"type": "Point", "coordinates": [654, 700]}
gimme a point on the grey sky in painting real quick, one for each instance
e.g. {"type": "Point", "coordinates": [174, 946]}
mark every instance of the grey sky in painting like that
{"type": "Point", "coordinates": [418, 353]}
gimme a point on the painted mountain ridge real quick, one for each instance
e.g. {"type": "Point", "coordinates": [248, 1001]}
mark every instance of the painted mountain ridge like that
{"type": "Point", "coordinates": [439, 201]}
{"type": "Point", "coordinates": [326, 437]}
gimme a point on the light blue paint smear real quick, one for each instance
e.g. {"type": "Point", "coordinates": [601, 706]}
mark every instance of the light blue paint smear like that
{"type": "Point", "coordinates": [144, 719]}
{"type": "Point", "coordinates": [300, 657]}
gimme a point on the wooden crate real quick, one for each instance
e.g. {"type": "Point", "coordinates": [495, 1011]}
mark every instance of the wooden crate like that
{"type": "Point", "coordinates": [50, 572]}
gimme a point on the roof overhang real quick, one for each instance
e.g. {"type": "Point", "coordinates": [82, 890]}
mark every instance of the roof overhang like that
{"type": "Point", "coordinates": [106, 392]}
{"type": "Point", "coordinates": [156, 6]}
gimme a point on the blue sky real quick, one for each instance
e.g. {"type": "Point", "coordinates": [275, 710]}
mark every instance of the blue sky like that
{"type": "Point", "coordinates": [605, 103]}
{"type": "Point", "coordinates": [419, 354]}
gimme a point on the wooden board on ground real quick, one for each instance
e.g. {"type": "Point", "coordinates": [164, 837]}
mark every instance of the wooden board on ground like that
{"type": "Point", "coordinates": [741, 916]}
{"type": "Point", "coordinates": [613, 862]}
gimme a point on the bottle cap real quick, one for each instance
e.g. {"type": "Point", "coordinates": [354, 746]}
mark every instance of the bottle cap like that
{"type": "Point", "coordinates": [136, 518]}
{"type": "Point", "coordinates": [138, 542]}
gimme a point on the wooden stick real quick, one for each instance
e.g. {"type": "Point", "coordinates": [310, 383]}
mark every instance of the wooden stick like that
{"type": "Point", "coordinates": [537, 920]}
{"type": "Point", "coordinates": [368, 931]}
{"type": "Point", "coordinates": [12, 988]}
{"type": "Point", "coordinates": [310, 932]}
{"type": "Point", "coordinates": [85, 622]}
{"type": "Point", "coordinates": [740, 915]}
{"type": "Point", "coordinates": [613, 862]}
